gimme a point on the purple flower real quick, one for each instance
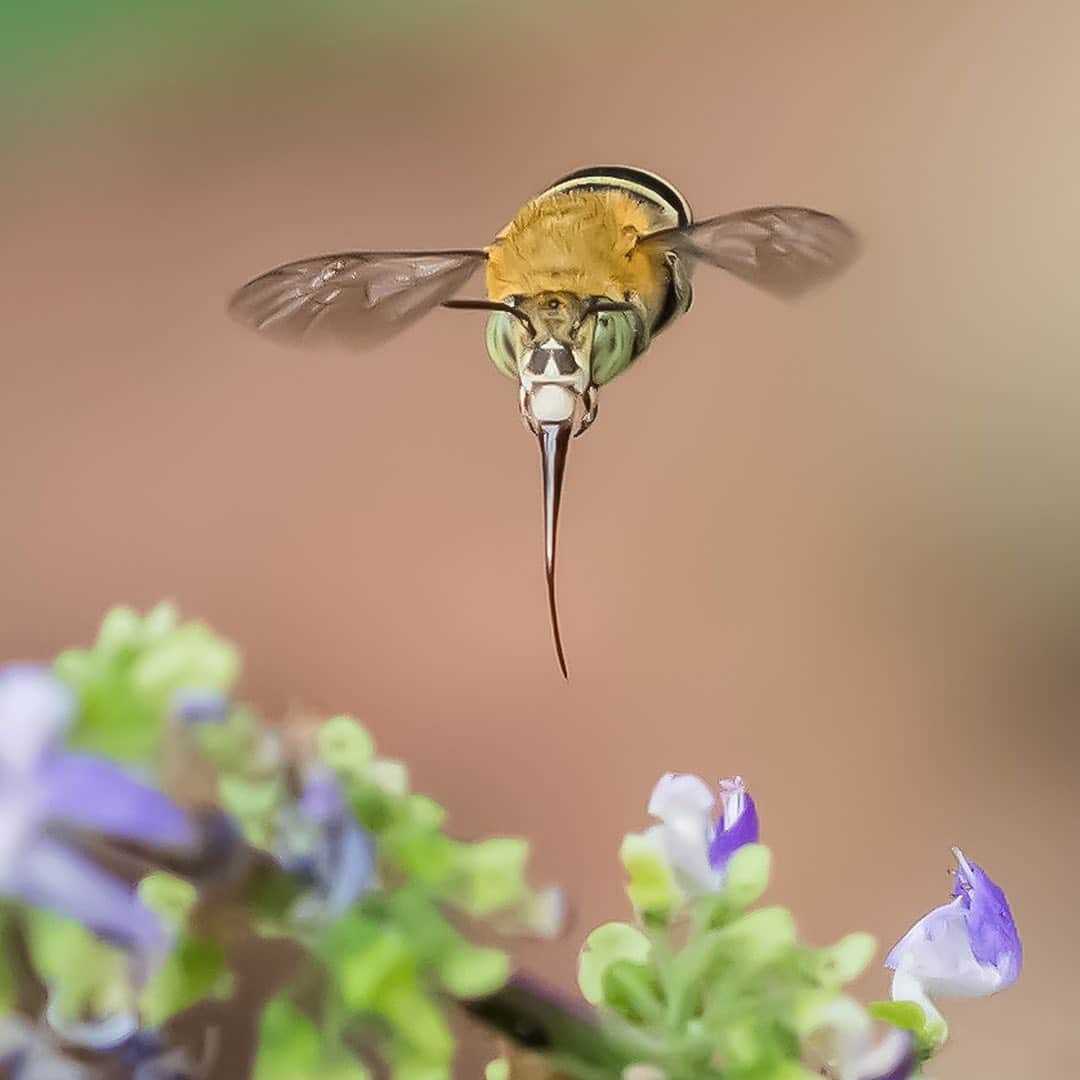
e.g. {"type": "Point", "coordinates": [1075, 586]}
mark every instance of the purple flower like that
{"type": "Point", "coordinates": [893, 1058]}
{"type": "Point", "coordinates": [319, 839]}
{"type": "Point", "coordinates": [39, 1050]}
{"type": "Point", "coordinates": [851, 1052]}
{"type": "Point", "coordinates": [201, 706]}
{"type": "Point", "coordinates": [968, 947]}
{"type": "Point", "coordinates": [697, 847]}
{"type": "Point", "coordinates": [46, 791]}
{"type": "Point", "coordinates": [738, 823]}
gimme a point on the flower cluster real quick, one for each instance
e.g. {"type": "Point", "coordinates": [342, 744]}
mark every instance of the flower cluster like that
{"type": "Point", "coordinates": [968, 947]}
{"type": "Point", "coordinates": [158, 844]}
{"type": "Point", "coordinates": [172, 867]}
{"type": "Point", "coordinates": [703, 984]}
{"type": "Point", "coordinates": [49, 797]}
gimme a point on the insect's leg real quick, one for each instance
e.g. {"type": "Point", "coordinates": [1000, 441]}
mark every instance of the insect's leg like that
{"type": "Point", "coordinates": [523, 404]}
{"type": "Point", "coordinates": [591, 397]}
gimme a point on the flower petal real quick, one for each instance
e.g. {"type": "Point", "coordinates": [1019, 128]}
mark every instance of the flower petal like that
{"type": "Point", "coordinates": [893, 1058]}
{"type": "Point", "coordinates": [322, 799]}
{"type": "Point", "coordinates": [995, 941]}
{"type": "Point", "coordinates": [939, 951]}
{"type": "Point", "coordinates": [739, 825]}
{"type": "Point", "coordinates": [352, 871]}
{"type": "Point", "coordinates": [27, 1051]}
{"type": "Point", "coordinates": [35, 711]}
{"type": "Point", "coordinates": [684, 804]}
{"type": "Point", "coordinates": [318, 838]}
{"type": "Point", "coordinates": [54, 877]}
{"type": "Point", "coordinates": [97, 795]}
{"type": "Point", "coordinates": [679, 796]}
{"type": "Point", "coordinates": [201, 706]}
{"type": "Point", "coordinates": [21, 818]}
{"type": "Point", "coordinates": [106, 1033]}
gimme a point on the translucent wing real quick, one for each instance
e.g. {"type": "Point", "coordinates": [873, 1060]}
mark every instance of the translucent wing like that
{"type": "Point", "coordinates": [356, 298]}
{"type": "Point", "coordinates": [782, 249]}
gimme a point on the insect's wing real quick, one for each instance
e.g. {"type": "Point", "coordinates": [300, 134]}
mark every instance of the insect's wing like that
{"type": "Point", "coordinates": [356, 298]}
{"type": "Point", "coordinates": [782, 249]}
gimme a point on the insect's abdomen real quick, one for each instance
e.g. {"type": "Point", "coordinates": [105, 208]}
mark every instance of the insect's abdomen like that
{"type": "Point", "coordinates": [667, 202]}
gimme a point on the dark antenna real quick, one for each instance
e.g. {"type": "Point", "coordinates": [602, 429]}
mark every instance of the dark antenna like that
{"type": "Point", "coordinates": [491, 305]}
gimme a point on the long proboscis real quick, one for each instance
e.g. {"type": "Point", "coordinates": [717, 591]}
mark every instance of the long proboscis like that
{"type": "Point", "coordinates": [554, 442]}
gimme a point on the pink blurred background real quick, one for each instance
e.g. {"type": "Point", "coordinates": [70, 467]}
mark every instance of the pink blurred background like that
{"type": "Point", "coordinates": [833, 547]}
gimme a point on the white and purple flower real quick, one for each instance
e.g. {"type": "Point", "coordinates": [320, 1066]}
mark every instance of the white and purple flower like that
{"type": "Point", "coordinates": [968, 947]}
{"type": "Point", "coordinates": [852, 1052]}
{"type": "Point", "coordinates": [694, 844]}
{"type": "Point", "coordinates": [319, 839]}
{"type": "Point", "coordinates": [194, 706]}
{"type": "Point", "coordinates": [46, 792]}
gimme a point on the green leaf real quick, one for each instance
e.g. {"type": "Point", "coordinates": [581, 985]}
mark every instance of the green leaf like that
{"type": "Point", "coordinates": [195, 970]}
{"type": "Point", "coordinates": [807, 1009]}
{"type": "Point", "coordinates": [747, 875]}
{"type": "Point", "coordinates": [633, 990]}
{"type": "Point", "coordinates": [233, 746]}
{"type": "Point", "coordinates": [391, 776]}
{"type": "Point", "coordinates": [346, 747]}
{"type": "Point", "coordinates": [408, 1066]}
{"type": "Point", "coordinates": [85, 975]}
{"type": "Point", "coordinates": [902, 1014]}
{"type": "Point", "coordinates": [490, 875]}
{"type": "Point", "coordinates": [469, 972]}
{"type": "Point", "coordinates": [127, 682]}
{"type": "Point", "coordinates": [254, 803]}
{"type": "Point", "coordinates": [846, 960]}
{"type": "Point", "coordinates": [757, 939]}
{"type": "Point", "coordinates": [366, 958]}
{"type": "Point", "coordinates": [606, 945]}
{"type": "Point", "coordinates": [121, 628]}
{"type": "Point", "coordinates": [499, 1069]}
{"type": "Point", "coordinates": [425, 856]}
{"type": "Point", "coordinates": [652, 888]}
{"type": "Point", "coordinates": [423, 813]}
{"type": "Point", "coordinates": [291, 1048]}
{"type": "Point", "coordinates": [419, 1023]}
{"type": "Point", "coordinates": [169, 897]}
{"type": "Point", "coordinates": [930, 1035]}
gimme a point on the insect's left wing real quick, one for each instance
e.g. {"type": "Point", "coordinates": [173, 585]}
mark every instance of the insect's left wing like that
{"type": "Point", "coordinates": [356, 298]}
{"type": "Point", "coordinates": [784, 250]}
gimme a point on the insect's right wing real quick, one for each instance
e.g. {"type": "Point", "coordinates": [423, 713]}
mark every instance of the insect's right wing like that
{"type": "Point", "coordinates": [356, 298]}
{"type": "Point", "coordinates": [784, 250]}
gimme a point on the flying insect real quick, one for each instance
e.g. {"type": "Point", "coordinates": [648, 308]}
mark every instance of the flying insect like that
{"type": "Point", "coordinates": [578, 285]}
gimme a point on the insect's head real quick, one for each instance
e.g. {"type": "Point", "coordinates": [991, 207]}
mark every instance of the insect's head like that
{"type": "Point", "coordinates": [556, 344]}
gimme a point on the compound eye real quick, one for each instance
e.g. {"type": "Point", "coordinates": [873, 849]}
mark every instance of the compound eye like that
{"type": "Point", "coordinates": [500, 342]}
{"type": "Point", "coordinates": [613, 344]}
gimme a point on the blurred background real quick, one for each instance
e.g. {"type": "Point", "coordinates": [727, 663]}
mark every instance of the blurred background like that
{"type": "Point", "coordinates": [833, 547]}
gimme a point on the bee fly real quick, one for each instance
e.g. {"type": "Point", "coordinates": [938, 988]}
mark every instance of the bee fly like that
{"type": "Point", "coordinates": [578, 285]}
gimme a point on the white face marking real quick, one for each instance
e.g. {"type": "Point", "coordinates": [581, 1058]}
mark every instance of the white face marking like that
{"type": "Point", "coordinates": [551, 404]}
{"type": "Point", "coordinates": [577, 380]}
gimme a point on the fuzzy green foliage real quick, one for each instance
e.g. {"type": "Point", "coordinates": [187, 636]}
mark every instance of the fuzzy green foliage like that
{"type": "Point", "coordinates": [711, 986]}
{"type": "Point", "coordinates": [128, 680]}
{"type": "Point", "coordinates": [327, 846]}
{"type": "Point", "coordinates": [388, 964]}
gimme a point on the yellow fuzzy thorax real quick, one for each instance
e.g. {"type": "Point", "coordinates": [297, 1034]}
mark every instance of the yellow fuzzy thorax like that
{"type": "Point", "coordinates": [583, 242]}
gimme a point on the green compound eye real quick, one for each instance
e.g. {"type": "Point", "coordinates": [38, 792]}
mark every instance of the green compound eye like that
{"type": "Point", "coordinates": [613, 345]}
{"type": "Point", "coordinates": [500, 343]}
